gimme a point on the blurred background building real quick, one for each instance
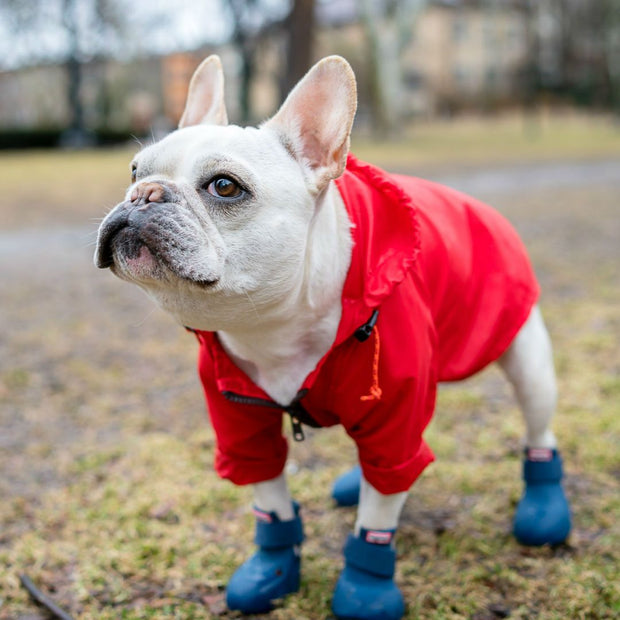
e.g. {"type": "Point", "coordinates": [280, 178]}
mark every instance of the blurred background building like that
{"type": "Point", "coordinates": [84, 71]}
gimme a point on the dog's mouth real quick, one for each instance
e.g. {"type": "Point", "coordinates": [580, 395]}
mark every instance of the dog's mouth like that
{"type": "Point", "coordinates": [128, 255]}
{"type": "Point", "coordinates": [133, 252]}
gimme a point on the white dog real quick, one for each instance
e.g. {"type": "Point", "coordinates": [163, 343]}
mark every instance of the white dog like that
{"type": "Point", "coordinates": [326, 289]}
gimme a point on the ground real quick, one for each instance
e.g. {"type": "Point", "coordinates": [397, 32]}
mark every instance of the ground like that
{"type": "Point", "coordinates": [109, 502]}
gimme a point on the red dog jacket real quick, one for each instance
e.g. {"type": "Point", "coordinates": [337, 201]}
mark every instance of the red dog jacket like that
{"type": "Point", "coordinates": [452, 285]}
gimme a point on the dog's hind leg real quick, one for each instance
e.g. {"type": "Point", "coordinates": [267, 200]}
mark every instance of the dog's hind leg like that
{"type": "Point", "coordinates": [543, 514]}
{"type": "Point", "coordinates": [528, 365]}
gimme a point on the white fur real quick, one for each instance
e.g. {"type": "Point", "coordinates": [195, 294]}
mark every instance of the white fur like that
{"type": "Point", "coordinates": [279, 357]}
{"type": "Point", "coordinates": [528, 365]}
{"type": "Point", "coordinates": [273, 496]}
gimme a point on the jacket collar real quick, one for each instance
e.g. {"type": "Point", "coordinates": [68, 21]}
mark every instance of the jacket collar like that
{"type": "Point", "coordinates": [386, 241]}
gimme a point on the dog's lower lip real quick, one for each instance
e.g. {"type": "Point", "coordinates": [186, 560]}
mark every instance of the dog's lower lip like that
{"type": "Point", "coordinates": [106, 256]}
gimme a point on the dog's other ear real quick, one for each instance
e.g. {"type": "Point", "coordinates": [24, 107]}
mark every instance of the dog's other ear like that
{"type": "Point", "coordinates": [205, 98]}
{"type": "Point", "coordinates": [315, 121]}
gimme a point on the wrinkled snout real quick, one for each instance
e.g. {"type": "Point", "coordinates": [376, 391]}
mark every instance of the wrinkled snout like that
{"type": "Point", "coordinates": [133, 214]}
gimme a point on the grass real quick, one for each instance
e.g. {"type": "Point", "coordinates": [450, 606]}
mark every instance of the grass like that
{"type": "Point", "coordinates": [109, 502]}
{"type": "Point", "coordinates": [43, 188]}
{"type": "Point", "coordinates": [508, 140]}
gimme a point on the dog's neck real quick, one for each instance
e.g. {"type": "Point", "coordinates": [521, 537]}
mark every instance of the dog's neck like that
{"type": "Point", "coordinates": [281, 354]}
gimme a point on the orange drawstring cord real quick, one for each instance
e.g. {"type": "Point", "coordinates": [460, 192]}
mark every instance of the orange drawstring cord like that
{"type": "Point", "coordinates": [375, 389]}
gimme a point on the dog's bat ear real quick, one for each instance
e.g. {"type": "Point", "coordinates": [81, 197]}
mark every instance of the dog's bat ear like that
{"type": "Point", "coordinates": [205, 98]}
{"type": "Point", "coordinates": [315, 120]}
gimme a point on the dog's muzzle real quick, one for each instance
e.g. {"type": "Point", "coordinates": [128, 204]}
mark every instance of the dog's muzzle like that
{"type": "Point", "coordinates": [132, 214]}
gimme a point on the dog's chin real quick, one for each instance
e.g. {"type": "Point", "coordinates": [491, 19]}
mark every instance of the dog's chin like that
{"type": "Point", "coordinates": [144, 267]}
{"type": "Point", "coordinates": [140, 266]}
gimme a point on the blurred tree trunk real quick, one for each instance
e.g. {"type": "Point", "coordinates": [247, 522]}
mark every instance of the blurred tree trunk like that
{"type": "Point", "coordinates": [612, 52]}
{"type": "Point", "coordinates": [74, 69]}
{"type": "Point", "coordinates": [248, 69]}
{"type": "Point", "coordinates": [389, 28]}
{"type": "Point", "coordinates": [299, 44]}
{"type": "Point", "coordinates": [528, 79]}
{"type": "Point", "coordinates": [581, 41]}
{"type": "Point", "coordinates": [252, 26]}
{"type": "Point", "coordinates": [85, 24]}
{"type": "Point", "coordinates": [245, 42]}
{"type": "Point", "coordinates": [379, 99]}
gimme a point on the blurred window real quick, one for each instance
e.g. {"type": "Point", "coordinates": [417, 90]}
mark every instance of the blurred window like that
{"type": "Point", "coordinates": [489, 34]}
{"type": "Point", "coordinates": [491, 77]}
{"type": "Point", "coordinates": [461, 76]}
{"type": "Point", "coordinates": [459, 28]}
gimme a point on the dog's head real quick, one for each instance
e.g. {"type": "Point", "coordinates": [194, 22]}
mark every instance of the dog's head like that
{"type": "Point", "coordinates": [215, 223]}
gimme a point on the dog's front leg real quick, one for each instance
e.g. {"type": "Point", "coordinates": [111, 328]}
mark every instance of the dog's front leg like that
{"type": "Point", "coordinates": [274, 570]}
{"type": "Point", "coordinates": [366, 588]}
{"type": "Point", "coordinates": [274, 496]}
{"type": "Point", "coordinates": [377, 511]}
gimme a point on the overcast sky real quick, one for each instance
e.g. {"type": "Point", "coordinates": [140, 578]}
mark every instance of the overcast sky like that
{"type": "Point", "coordinates": [152, 26]}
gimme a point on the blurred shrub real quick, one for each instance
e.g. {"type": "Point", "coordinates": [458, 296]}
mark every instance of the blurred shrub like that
{"type": "Point", "coordinates": [54, 137]}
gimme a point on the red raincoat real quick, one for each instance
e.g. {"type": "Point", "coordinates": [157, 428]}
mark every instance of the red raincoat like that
{"type": "Point", "coordinates": [453, 285]}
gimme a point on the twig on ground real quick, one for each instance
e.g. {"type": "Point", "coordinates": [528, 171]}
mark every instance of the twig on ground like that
{"type": "Point", "coordinates": [43, 599]}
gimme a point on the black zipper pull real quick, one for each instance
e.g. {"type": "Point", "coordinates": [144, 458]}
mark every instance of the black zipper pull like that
{"type": "Point", "coordinates": [298, 431]}
{"type": "Point", "coordinates": [363, 332]}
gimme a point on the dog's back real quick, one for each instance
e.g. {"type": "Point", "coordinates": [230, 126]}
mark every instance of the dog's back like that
{"type": "Point", "coordinates": [469, 267]}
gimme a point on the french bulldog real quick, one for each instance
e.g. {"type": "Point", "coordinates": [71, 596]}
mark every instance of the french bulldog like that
{"type": "Point", "coordinates": [327, 291]}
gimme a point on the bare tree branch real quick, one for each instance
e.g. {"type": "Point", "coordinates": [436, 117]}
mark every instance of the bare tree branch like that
{"type": "Point", "coordinates": [43, 599]}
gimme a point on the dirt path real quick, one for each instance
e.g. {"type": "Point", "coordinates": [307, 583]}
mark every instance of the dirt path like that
{"type": "Point", "coordinates": [534, 177]}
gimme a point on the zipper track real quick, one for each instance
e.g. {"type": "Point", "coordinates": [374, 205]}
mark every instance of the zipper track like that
{"type": "Point", "coordinates": [293, 410]}
{"type": "Point", "coordinates": [250, 400]}
{"type": "Point", "coordinates": [296, 410]}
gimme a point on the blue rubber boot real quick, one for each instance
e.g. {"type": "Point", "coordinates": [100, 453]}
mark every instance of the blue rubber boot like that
{"type": "Point", "coordinates": [543, 514]}
{"type": "Point", "coordinates": [346, 488]}
{"type": "Point", "coordinates": [273, 571]}
{"type": "Point", "coordinates": [366, 588]}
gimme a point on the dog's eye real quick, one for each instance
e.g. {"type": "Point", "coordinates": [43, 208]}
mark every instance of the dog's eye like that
{"type": "Point", "coordinates": [223, 187]}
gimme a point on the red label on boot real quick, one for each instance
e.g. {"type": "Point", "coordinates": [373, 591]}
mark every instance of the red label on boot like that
{"type": "Point", "coordinates": [540, 455]}
{"type": "Point", "coordinates": [377, 537]}
{"type": "Point", "coordinates": [263, 516]}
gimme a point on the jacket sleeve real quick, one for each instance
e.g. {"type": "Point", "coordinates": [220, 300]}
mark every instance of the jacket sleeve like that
{"type": "Point", "coordinates": [388, 428]}
{"type": "Point", "coordinates": [388, 435]}
{"type": "Point", "coordinates": [250, 446]}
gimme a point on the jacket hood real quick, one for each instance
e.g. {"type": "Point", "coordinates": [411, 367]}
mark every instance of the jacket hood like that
{"type": "Point", "coordinates": [385, 229]}
{"type": "Point", "coordinates": [386, 239]}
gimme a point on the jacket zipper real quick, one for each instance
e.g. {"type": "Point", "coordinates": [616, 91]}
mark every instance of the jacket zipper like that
{"type": "Point", "coordinates": [298, 431]}
{"type": "Point", "coordinates": [250, 400]}
{"type": "Point", "coordinates": [297, 428]}
{"type": "Point", "coordinates": [296, 410]}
